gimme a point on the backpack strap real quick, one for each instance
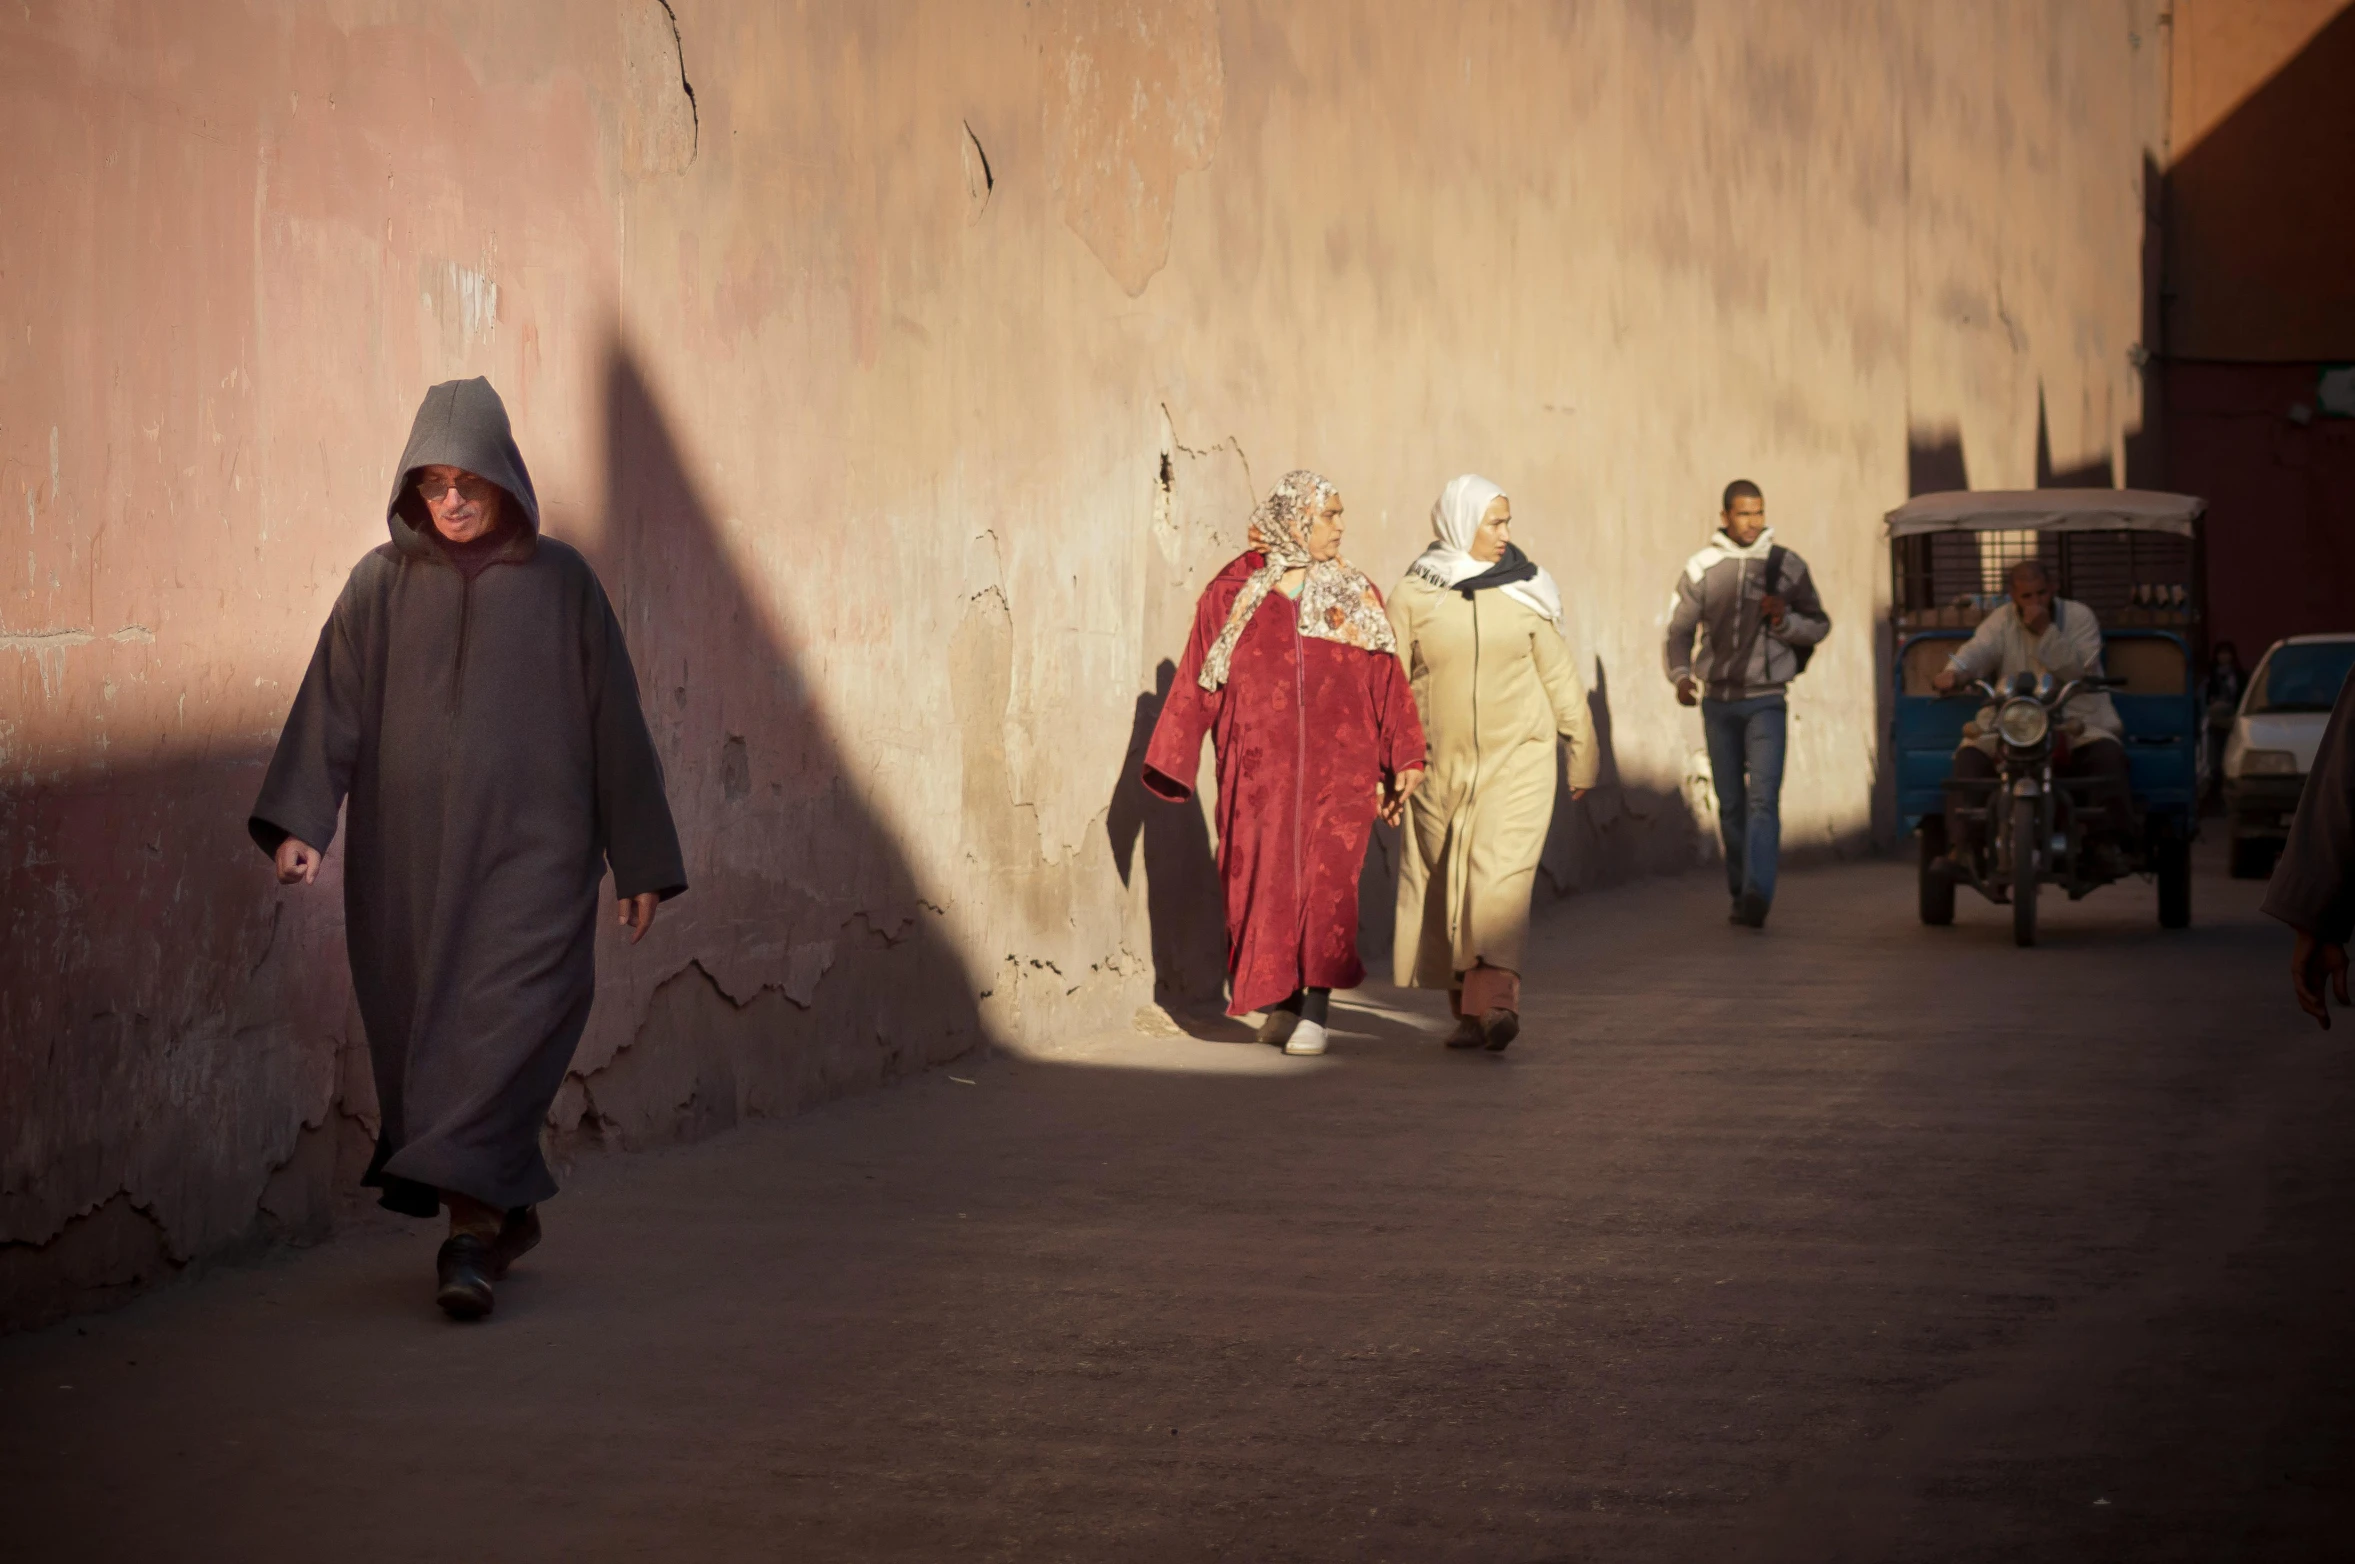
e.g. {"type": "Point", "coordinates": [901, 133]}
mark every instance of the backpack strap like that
{"type": "Point", "coordinates": [1775, 555]}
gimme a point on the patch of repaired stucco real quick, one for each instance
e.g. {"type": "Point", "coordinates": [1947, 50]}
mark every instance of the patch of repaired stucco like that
{"type": "Point", "coordinates": [1134, 92]}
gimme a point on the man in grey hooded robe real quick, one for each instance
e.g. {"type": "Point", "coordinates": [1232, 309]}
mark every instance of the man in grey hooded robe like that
{"type": "Point", "coordinates": [473, 702]}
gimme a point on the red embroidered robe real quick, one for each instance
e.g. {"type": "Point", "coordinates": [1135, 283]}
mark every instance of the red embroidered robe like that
{"type": "Point", "coordinates": [1306, 731]}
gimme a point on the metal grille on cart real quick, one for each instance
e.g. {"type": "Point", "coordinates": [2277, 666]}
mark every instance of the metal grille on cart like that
{"type": "Point", "coordinates": [1954, 579]}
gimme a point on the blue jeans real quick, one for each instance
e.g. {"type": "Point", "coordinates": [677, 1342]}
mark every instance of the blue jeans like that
{"type": "Point", "coordinates": [1746, 763]}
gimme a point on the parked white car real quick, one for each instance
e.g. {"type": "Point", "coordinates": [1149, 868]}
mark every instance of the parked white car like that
{"type": "Point", "coordinates": [2274, 736]}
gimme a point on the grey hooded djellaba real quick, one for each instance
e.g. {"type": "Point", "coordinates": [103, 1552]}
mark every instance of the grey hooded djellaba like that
{"type": "Point", "coordinates": [484, 726]}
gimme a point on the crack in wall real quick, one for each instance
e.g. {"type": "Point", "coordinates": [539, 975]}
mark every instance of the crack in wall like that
{"type": "Point", "coordinates": [694, 112]}
{"type": "Point", "coordinates": [104, 1254]}
{"type": "Point", "coordinates": [981, 181]}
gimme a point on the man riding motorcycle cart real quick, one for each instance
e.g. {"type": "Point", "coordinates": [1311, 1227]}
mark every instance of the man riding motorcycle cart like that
{"type": "Point", "coordinates": [2040, 634]}
{"type": "Point", "coordinates": [2071, 613]}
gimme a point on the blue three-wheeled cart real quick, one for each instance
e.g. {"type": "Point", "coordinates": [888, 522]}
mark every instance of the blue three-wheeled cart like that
{"type": "Point", "coordinates": [2133, 558]}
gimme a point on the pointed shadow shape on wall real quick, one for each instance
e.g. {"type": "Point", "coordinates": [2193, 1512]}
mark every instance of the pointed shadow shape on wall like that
{"type": "Point", "coordinates": [806, 961]}
{"type": "Point", "coordinates": [2100, 473]}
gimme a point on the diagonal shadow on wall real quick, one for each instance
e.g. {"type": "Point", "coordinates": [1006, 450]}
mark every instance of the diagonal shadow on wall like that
{"type": "Point", "coordinates": [805, 961]}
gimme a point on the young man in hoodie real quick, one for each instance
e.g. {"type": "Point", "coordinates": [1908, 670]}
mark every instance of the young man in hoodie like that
{"type": "Point", "coordinates": [1755, 607]}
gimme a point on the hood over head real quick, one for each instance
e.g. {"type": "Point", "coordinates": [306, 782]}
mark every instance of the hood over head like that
{"type": "Point", "coordinates": [461, 423]}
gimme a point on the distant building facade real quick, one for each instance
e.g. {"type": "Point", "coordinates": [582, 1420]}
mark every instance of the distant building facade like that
{"type": "Point", "coordinates": [2258, 308]}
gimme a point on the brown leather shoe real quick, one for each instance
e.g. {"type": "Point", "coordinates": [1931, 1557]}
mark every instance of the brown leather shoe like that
{"type": "Point", "coordinates": [1467, 1034]}
{"type": "Point", "coordinates": [466, 1266]}
{"type": "Point", "coordinates": [1500, 1027]}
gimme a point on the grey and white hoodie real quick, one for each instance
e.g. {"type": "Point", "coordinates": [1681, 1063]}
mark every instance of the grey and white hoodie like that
{"type": "Point", "coordinates": [1740, 656]}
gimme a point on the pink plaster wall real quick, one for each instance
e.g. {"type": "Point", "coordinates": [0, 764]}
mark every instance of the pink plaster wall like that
{"type": "Point", "coordinates": [906, 381]}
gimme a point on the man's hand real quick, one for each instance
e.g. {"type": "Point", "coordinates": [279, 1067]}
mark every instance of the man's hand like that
{"type": "Point", "coordinates": [1402, 788]}
{"type": "Point", "coordinates": [2311, 960]}
{"type": "Point", "coordinates": [298, 862]}
{"type": "Point", "coordinates": [637, 913]}
{"type": "Point", "coordinates": [1578, 793]}
{"type": "Point", "coordinates": [1946, 680]}
{"type": "Point", "coordinates": [1687, 692]}
{"type": "Point", "coordinates": [1774, 605]}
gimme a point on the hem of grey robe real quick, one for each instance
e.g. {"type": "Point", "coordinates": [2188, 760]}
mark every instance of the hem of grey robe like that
{"type": "Point", "coordinates": [404, 1195]}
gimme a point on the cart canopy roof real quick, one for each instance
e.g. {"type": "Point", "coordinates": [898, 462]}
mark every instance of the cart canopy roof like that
{"type": "Point", "coordinates": [2047, 510]}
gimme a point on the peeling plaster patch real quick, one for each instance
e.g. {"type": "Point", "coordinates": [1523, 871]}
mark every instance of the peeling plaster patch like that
{"type": "Point", "coordinates": [133, 633]}
{"type": "Point", "coordinates": [805, 967]}
{"type": "Point", "coordinates": [463, 301]}
{"type": "Point", "coordinates": [478, 302]}
{"type": "Point", "coordinates": [1135, 92]}
{"type": "Point", "coordinates": [877, 935]}
{"type": "Point", "coordinates": [478, 299]}
{"type": "Point", "coordinates": [48, 648]}
{"type": "Point", "coordinates": [104, 1254]}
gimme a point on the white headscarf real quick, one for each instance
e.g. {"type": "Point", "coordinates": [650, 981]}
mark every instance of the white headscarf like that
{"type": "Point", "coordinates": [1455, 518]}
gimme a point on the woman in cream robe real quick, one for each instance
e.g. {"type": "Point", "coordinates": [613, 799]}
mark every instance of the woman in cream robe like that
{"type": "Point", "coordinates": [1479, 628]}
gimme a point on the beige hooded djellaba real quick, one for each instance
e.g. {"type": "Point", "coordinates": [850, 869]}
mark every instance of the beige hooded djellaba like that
{"type": "Point", "coordinates": [1496, 689]}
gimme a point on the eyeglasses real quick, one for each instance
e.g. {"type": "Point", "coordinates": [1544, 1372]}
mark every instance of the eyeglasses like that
{"type": "Point", "coordinates": [475, 491]}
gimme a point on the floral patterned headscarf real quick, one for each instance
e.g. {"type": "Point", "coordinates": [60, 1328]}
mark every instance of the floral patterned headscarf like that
{"type": "Point", "coordinates": [1337, 602]}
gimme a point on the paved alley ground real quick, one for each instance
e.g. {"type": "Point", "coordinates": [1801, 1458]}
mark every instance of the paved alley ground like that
{"type": "Point", "coordinates": [1851, 1240]}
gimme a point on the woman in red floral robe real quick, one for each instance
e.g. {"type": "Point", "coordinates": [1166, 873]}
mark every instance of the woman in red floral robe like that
{"type": "Point", "coordinates": [1293, 672]}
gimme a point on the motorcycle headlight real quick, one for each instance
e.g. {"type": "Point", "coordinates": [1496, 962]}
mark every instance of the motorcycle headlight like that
{"type": "Point", "coordinates": [2268, 763]}
{"type": "Point", "coordinates": [2022, 723]}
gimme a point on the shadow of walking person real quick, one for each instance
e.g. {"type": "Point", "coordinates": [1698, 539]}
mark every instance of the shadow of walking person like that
{"type": "Point", "coordinates": [1184, 902]}
{"type": "Point", "coordinates": [1619, 831]}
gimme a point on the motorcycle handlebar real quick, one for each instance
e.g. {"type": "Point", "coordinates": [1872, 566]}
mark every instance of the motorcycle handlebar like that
{"type": "Point", "coordinates": [1987, 690]}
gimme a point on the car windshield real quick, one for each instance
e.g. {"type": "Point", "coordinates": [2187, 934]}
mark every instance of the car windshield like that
{"type": "Point", "coordinates": [2302, 678]}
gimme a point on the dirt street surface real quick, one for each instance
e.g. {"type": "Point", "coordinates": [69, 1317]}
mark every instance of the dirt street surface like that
{"type": "Point", "coordinates": [1851, 1240]}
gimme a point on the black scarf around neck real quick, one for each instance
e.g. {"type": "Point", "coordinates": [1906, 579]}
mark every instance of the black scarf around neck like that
{"type": "Point", "coordinates": [1515, 566]}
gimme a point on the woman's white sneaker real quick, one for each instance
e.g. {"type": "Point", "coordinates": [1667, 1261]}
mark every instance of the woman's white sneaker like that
{"type": "Point", "coordinates": [1307, 1038]}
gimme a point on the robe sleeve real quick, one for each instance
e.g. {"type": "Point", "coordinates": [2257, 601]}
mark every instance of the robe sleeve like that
{"type": "Point", "coordinates": [633, 813]}
{"type": "Point", "coordinates": [1175, 753]}
{"type": "Point", "coordinates": [311, 770]}
{"type": "Point", "coordinates": [1399, 725]}
{"type": "Point", "coordinates": [1400, 609]}
{"type": "Point", "coordinates": [1567, 693]}
{"type": "Point", "coordinates": [2313, 886]}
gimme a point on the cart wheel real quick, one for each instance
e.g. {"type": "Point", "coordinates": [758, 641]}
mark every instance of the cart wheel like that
{"type": "Point", "coordinates": [2253, 857]}
{"type": "Point", "coordinates": [2023, 846]}
{"type": "Point", "coordinates": [1937, 891]}
{"type": "Point", "coordinates": [2173, 853]}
